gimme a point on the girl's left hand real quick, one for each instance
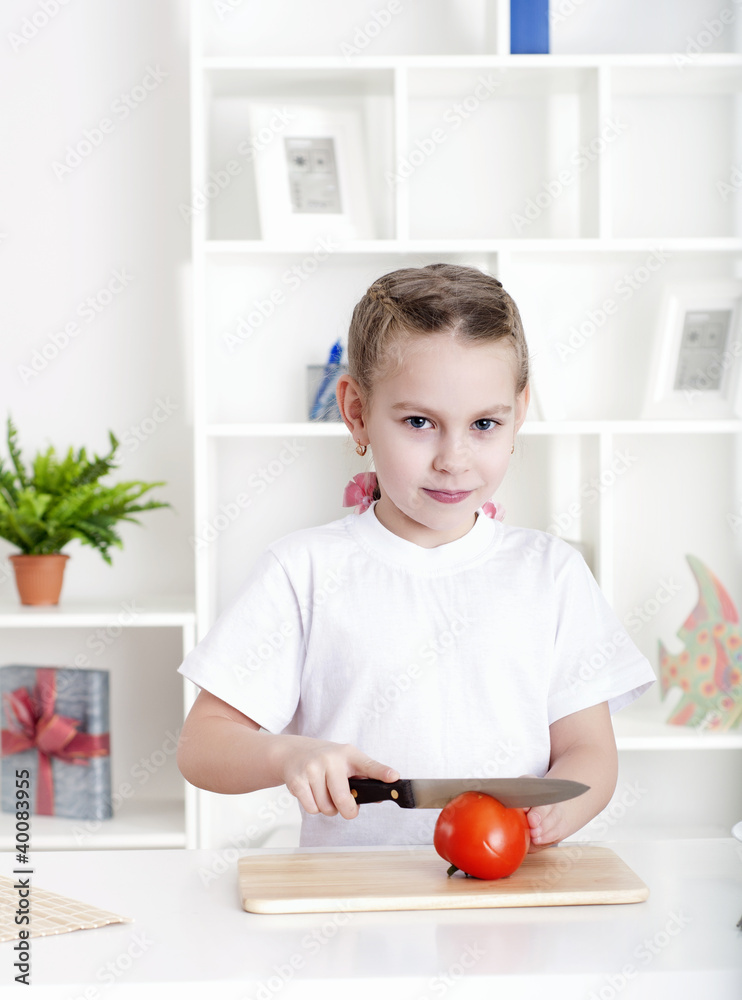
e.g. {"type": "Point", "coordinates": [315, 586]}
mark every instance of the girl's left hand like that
{"type": "Point", "coordinates": [544, 823]}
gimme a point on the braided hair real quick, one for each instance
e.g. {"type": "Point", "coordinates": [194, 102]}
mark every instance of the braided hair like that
{"type": "Point", "coordinates": [419, 301]}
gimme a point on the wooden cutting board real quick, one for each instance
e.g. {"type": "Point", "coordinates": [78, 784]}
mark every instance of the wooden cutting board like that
{"type": "Point", "coordinates": [416, 879]}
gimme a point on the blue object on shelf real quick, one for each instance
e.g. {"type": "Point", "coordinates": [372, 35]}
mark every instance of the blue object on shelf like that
{"type": "Point", "coordinates": [324, 401]}
{"type": "Point", "coordinates": [529, 26]}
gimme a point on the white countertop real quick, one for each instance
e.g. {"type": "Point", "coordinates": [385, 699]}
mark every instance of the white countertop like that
{"type": "Point", "coordinates": [191, 938]}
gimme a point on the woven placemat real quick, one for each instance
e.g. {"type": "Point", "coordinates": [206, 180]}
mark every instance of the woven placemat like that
{"type": "Point", "coordinates": [50, 913]}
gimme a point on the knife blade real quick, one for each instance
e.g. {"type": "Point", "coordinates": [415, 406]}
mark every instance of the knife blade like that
{"type": "Point", "coordinates": [435, 793]}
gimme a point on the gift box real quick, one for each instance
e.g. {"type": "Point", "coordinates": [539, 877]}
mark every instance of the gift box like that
{"type": "Point", "coordinates": [55, 726]}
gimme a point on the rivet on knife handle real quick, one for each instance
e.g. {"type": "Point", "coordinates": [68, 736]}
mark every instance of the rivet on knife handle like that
{"type": "Point", "coordinates": [366, 790]}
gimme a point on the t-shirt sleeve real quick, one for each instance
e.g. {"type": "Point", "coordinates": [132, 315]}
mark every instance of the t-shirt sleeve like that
{"type": "Point", "coordinates": [252, 657]}
{"type": "Point", "coordinates": [594, 657]}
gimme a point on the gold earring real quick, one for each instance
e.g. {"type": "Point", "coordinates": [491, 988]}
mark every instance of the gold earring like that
{"type": "Point", "coordinates": [513, 448]}
{"type": "Point", "coordinates": [360, 448]}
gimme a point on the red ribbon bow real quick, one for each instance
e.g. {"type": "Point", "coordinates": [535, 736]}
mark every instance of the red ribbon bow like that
{"type": "Point", "coordinates": [32, 722]}
{"type": "Point", "coordinates": [360, 491]}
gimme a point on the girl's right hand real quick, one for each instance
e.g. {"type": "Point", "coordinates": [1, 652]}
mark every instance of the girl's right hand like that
{"type": "Point", "coordinates": [317, 772]}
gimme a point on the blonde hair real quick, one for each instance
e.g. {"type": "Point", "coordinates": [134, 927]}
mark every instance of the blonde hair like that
{"type": "Point", "coordinates": [421, 301]}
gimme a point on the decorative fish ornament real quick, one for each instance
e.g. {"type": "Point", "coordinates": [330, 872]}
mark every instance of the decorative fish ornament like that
{"type": "Point", "coordinates": [709, 669]}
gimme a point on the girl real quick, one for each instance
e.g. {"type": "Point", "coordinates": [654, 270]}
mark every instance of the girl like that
{"type": "Point", "coordinates": [421, 638]}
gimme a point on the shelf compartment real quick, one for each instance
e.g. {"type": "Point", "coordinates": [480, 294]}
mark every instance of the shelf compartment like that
{"type": "Point", "coordinates": [364, 28]}
{"type": "Point", "coordinates": [683, 790]}
{"type": "Point", "coordinates": [591, 322]}
{"type": "Point", "coordinates": [690, 485]}
{"type": "Point", "coordinates": [146, 715]}
{"type": "Point", "coordinates": [619, 28]}
{"type": "Point", "coordinates": [521, 136]}
{"type": "Point", "coordinates": [638, 26]}
{"type": "Point", "coordinates": [268, 321]}
{"type": "Point", "coordinates": [677, 147]}
{"type": "Point", "coordinates": [232, 150]}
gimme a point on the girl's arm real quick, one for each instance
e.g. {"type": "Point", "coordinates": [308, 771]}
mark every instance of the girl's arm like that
{"type": "Point", "coordinates": [583, 748]}
{"type": "Point", "coordinates": [222, 750]}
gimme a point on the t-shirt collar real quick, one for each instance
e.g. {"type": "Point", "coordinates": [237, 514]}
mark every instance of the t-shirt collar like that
{"type": "Point", "coordinates": [391, 548]}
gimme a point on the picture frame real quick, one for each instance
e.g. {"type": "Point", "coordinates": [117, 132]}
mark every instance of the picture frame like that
{"type": "Point", "coordinates": [311, 177]}
{"type": "Point", "coordinates": [695, 368]}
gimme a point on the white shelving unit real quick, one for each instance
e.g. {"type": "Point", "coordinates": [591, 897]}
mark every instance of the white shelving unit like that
{"type": "Point", "coordinates": [152, 806]}
{"type": "Point", "coordinates": [671, 128]}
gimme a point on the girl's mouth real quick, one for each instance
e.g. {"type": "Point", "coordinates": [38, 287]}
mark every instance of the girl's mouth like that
{"type": "Point", "coordinates": [445, 496]}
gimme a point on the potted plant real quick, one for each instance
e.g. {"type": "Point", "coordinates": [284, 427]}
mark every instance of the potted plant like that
{"type": "Point", "coordinates": [44, 509]}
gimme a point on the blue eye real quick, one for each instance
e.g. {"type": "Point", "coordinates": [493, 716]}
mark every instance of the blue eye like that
{"type": "Point", "coordinates": [418, 423]}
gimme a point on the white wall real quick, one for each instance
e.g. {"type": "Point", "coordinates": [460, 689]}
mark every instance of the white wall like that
{"type": "Point", "coordinates": [66, 232]}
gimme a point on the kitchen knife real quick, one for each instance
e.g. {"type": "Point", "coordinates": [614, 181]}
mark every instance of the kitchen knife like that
{"type": "Point", "coordinates": [434, 793]}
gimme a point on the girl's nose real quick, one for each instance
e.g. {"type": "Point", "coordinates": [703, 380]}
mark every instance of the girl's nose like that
{"type": "Point", "coordinates": [453, 456]}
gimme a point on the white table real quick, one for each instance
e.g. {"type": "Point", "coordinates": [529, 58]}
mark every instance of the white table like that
{"type": "Point", "coordinates": [190, 938]}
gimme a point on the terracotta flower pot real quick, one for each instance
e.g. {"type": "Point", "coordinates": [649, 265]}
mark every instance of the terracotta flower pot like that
{"type": "Point", "coordinates": [39, 578]}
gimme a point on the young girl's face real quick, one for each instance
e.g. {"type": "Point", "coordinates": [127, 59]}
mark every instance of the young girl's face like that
{"type": "Point", "coordinates": [441, 430]}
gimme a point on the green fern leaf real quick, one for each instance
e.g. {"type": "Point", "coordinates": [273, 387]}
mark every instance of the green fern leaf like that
{"type": "Point", "coordinates": [64, 500]}
{"type": "Point", "coordinates": [90, 472]}
{"type": "Point", "coordinates": [15, 453]}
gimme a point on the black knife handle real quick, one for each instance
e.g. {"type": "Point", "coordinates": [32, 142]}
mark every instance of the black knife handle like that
{"type": "Point", "coordinates": [370, 790]}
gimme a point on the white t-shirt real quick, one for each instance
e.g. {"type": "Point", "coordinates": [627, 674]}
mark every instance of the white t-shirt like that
{"type": "Point", "coordinates": [446, 662]}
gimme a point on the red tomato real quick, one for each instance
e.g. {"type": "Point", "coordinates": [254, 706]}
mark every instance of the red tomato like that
{"type": "Point", "coordinates": [482, 837]}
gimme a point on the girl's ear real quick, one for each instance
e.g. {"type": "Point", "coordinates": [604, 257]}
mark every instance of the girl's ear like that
{"type": "Point", "coordinates": [521, 406]}
{"type": "Point", "coordinates": [350, 404]}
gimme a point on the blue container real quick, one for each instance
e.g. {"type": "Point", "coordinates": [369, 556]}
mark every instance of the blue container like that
{"type": "Point", "coordinates": [529, 26]}
{"type": "Point", "coordinates": [321, 382]}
